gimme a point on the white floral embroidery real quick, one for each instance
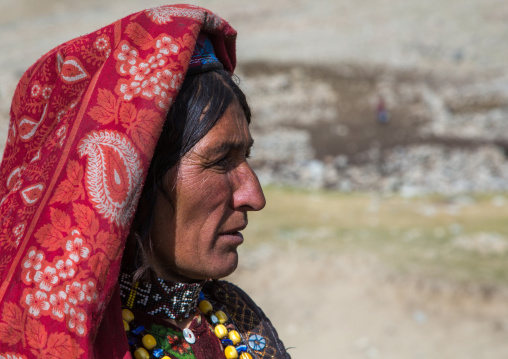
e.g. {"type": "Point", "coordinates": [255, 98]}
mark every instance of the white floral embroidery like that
{"type": "Point", "coordinates": [90, 291]}
{"type": "Point", "coordinates": [36, 90]}
{"type": "Point", "coordinates": [46, 92]}
{"type": "Point", "coordinates": [165, 45]}
{"type": "Point", "coordinates": [139, 71]}
{"type": "Point", "coordinates": [76, 248]}
{"type": "Point", "coordinates": [150, 87]}
{"type": "Point", "coordinates": [58, 303]}
{"type": "Point", "coordinates": [102, 43]}
{"type": "Point", "coordinates": [176, 81]}
{"type": "Point", "coordinates": [65, 268]}
{"type": "Point", "coordinates": [28, 276]}
{"type": "Point", "coordinates": [34, 260]}
{"type": "Point", "coordinates": [37, 303]}
{"type": "Point", "coordinates": [75, 293]}
{"type": "Point", "coordinates": [46, 279]}
{"type": "Point", "coordinates": [77, 320]}
{"type": "Point", "coordinates": [165, 100]}
{"type": "Point", "coordinates": [128, 54]}
{"type": "Point", "coordinates": [130, 90]}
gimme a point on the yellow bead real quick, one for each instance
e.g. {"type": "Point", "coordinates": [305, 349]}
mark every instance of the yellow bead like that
{"type": "Point", "coordinates": [231, 352]}
{"type": "Point", "coordinates": [223, 318]}
{"type": "Point", "coordinates": [141, 353]}
{"type": "Point", "coordinates": [166, 357]}
{"type": "Point", "coordinates": [126, 326]}
{"type": "Point", "coordinates": [245, 356]}
{"type": "Point", "coordinates": [205, 307]}
{"type": "Point", "coordinates": [148, 341]}
{"type": "Point", "coordinates": [234, 337]}
{"type": "Point", "coordinates": [127, 315]}
{"type": "Point", "coordinates": [220, 331]}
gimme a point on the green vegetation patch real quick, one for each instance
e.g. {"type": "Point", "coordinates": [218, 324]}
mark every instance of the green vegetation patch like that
{"type": "Point", "coordinates": [462, 238]}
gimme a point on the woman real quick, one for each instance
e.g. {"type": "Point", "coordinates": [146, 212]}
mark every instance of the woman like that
{"type": "Point", "coordinates": [83, 149]}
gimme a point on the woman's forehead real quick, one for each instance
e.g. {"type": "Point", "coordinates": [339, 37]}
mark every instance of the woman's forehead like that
{"type": "Point", "coordinates": [231, 130]}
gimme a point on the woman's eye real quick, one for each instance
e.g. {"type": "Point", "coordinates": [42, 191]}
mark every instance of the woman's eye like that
{"type": "Point", "coordinates": [230, 160]}
{"type": "Point", "coordinates": [223, 162]}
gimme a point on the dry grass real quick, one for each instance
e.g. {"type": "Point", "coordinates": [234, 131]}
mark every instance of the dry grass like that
{"type": "Point", "coordinates": [410, 235]}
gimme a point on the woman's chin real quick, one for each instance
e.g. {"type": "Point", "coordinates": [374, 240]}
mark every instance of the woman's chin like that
{"type": "Point", "coordinates": [218, 268]}
{"type": "Point", "coordinates": [226, 266]}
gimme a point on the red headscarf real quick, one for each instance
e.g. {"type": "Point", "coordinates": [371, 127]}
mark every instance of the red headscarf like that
{"type": "Point", "coordinates": [84, 123]}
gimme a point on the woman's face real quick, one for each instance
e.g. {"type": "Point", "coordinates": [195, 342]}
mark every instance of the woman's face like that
{"type": "Point", "coordinates": [212, 188]}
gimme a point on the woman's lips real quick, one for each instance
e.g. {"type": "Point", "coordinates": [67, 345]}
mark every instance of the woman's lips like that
{"type": "Point", "coordinates": [235, 238]}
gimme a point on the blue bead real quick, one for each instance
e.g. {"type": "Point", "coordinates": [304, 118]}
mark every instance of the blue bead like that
{"type": "Point", "coordinates": [226, 342]}
{"type": "Point", "coordinates": [241, 348]}
{"type": "Point", "coordinates": [138, 330]}
{"type": "Point", "coordinates": [257, 342]}
{"type": "Point", "coordinates": [132, 341]}
{"type": "Point", "coordinates": [158, 353]}
{"type": "Point", "coordinates": [201, 296]}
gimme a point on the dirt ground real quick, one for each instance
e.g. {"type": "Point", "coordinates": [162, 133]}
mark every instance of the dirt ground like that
{"type": "Point", "coordinates": [336, 306]}
{"type": "Point", "coordinates": [326, 304]}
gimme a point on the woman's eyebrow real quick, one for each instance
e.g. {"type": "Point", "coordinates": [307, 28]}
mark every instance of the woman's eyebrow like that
{"type": "Point", "coordinates": [230, 146]}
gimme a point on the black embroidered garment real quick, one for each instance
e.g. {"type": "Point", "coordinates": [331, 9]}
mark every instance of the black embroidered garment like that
{"type": "Point", "coordinates": [248, 319]}
{"type": "Point", "coordinates": [254, 326]}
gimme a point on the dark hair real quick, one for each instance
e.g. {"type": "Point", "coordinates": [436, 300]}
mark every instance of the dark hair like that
{"type": "Point", "coordinates": [201, 101]}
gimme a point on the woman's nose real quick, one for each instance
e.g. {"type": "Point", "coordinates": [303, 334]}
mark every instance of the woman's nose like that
{"type": "Point", "coordinates": [247, 192]}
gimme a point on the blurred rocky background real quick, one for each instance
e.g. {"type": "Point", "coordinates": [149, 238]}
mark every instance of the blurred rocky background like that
{"type": "Point", "coordinates": [389, 95]}
{"type": "Point", "coordinates": [379, 128]}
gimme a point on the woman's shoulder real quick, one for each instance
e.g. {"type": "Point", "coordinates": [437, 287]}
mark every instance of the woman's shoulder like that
{"type": "Point", "coordinates": [249, 319]}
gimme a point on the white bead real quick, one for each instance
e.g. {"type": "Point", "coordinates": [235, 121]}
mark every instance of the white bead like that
{"type": "Point", "coordinates": [189, 336]}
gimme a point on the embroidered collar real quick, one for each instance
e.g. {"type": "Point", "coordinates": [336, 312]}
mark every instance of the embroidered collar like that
{"type": "Point", "coordinates": [160, 297]}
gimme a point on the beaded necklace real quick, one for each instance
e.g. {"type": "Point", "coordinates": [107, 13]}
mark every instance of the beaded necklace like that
{"type": "Point", "coordinates": [147, 347]}
{"type": "Point", "coordinates": [231, 340]}
{"type": "Point", "coordinates": [160, 297]}
{"type": "Point", "coordinates": [167, 299]}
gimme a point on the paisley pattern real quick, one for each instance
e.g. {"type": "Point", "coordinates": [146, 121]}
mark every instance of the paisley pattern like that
{"type": "Point", "coordinates": [72, 70]}
{"type": "Point", "coordinates": [83, 125]}
{"type": "Point", "coordinates": [13, 177]}
{"type": "Point", "coordinates": [113, 174]}
{"type": "Point", "coordinates": [27, 126]}
{"type": "Point", "coordinates": [31, 194]}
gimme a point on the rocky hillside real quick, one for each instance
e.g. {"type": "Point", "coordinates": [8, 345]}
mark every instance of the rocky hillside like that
{"type": "Point", "coordinates": [352, 127]}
